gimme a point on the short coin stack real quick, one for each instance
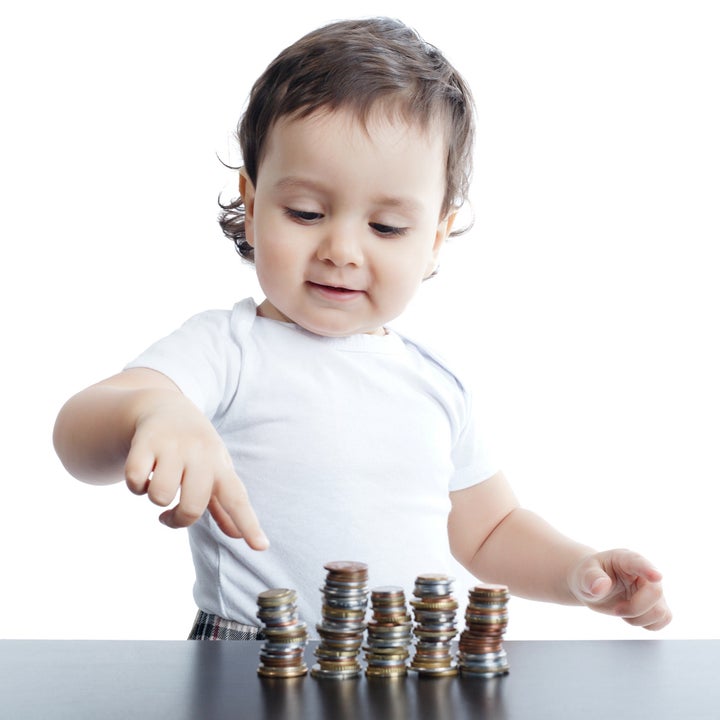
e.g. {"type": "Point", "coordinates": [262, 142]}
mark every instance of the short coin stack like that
{"type": "Point", "coordinates": [480, 650]}
{"type": "Point", "coordinates": [389, 633]}
{"type": "Point", "coordinates": [282, 655]}
{"type": "Point", "coordinates": [435, 627]}
{"type": "Point", "coordinates": [343, 620]}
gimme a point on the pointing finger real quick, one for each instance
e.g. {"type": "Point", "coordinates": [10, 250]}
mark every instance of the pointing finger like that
{"type": "Point", "coordinates": [224, 521]}
{"type": "Point", "coordinates": [233, 499]}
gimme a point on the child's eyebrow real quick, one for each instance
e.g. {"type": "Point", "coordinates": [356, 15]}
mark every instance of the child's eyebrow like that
{"type": "Point", "coordinates": [293, 182]}
{"type": "Point", "coordinates": [405, 204]}
{"type": "Point", "coordinates": [298, 183]}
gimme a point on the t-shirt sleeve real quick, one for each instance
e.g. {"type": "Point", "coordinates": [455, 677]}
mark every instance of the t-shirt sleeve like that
{"type": "Point", "coordinates": [473, 461]}
{"type": "Point", "coordinates": [201, 357]}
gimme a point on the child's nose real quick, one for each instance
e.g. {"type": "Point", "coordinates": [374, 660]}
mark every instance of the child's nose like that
{"type": "Point", "coordinates": [341, 246]}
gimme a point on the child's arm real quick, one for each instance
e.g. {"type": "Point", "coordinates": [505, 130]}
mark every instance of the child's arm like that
{"type": "Point", "coordinates": [498, 541]}
{"type": "Point", "coordinates": [138, 426]}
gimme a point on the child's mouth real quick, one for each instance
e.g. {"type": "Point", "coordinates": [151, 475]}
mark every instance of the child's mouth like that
{"type": "Point", "coordinates": [335, 291]}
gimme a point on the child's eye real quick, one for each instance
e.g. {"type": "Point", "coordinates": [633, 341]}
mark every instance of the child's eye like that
{"type": "Point", "coordinates": [388, 230]}
{"type": "Point", "coordinates": [303, 215]}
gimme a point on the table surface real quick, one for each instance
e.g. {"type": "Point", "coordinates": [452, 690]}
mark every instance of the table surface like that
{"type": "Point", "coordinates": [658, 679]}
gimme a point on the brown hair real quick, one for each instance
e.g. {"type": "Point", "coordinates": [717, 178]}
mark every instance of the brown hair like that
{"type": "Point", "coordinates": [357, 64]}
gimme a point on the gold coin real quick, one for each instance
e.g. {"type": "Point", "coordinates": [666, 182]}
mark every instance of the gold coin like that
{"type": "Point", "coordinates": [347, 664]}
{"type": "Point", "coordinates": [450, 672]}
{"type": "Point", "coordinates": [386, 672]}
{"type": "Point", "coordinates": [417, 664]}
{"type": "Point", "coordinates": [435, 604]}
{"type": "Point", "coordinates": [286, 672]}
{"type": "Point", "coordinates": [276, 596]}
{"type": "Point", "coordinates": [489, 589]}
{"type": "Point", "coordinates": [344, 613]}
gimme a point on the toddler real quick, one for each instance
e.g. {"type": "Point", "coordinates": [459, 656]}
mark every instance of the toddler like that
{"type": "Point", "coordinates": [303, 429]}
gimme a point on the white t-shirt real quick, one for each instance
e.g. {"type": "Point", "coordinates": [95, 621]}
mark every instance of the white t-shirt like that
{"type": "Point", "coordinates": [347, 446]}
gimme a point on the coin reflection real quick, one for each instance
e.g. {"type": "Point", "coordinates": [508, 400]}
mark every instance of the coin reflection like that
{"type": "Point", "coordinates": [283, 697]}
{"type": "Point", "coordinates": [484, 696]}
{"type": "Point", "coordinates": [434, 698]}
{"type": "Point", "coordinates": [340, 698]}
{"type": "Point", "coordinates": [387, 697]}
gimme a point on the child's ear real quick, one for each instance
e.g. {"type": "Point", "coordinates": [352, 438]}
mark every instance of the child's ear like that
{"type": "Point", "coordinates": [444, 229]}
{"type": "Point", "coordinates": [247, 193]}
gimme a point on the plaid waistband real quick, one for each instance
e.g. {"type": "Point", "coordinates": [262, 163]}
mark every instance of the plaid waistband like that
{"type": "Point", "coordinates": [213, 627]}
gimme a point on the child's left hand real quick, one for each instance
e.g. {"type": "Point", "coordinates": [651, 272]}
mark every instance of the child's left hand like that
{"type": "Point", "coordinates": [621, 583]}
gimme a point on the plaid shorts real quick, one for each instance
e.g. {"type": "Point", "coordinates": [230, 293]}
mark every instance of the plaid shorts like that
{"type": "Point", "coordinates": [214, 627]}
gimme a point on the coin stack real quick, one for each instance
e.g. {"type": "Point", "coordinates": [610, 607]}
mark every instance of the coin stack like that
{"type": "Point", "coordinates": [343, 620]}
{"type": "Point", "coordinates": [435, 627]}
{"type": "Point", "coordinates": [480, 650]}
{"type": "Point", "coordinates": [282, 655]}
{"type": "Point", "coordinates": [389, 633]}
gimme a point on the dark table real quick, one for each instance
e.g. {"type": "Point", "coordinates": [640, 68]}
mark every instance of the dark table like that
{"type": "Point", "coordinates": [649, 679]}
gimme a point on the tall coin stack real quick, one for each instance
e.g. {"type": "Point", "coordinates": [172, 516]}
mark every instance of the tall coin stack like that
{"type": "Point", "coordinates": [435, 627]}
{"type": "Point", "coordinates": [343, 620]}
{"type": "Point", "coordinates": [282, 655]}
{"type": "Point", "coordinates": [480, 650]}
{"type": "Point", "coordinates": [389, 633]}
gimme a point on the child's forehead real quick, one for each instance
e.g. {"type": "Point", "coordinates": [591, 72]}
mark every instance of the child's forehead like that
{"type": "Point", "coordinates": [336, 150]}
{"type": "Point", "coordinates": [379, 118]}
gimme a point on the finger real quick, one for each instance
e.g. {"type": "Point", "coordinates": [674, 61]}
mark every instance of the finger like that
{"type": "Point", "coordinates": [224, 521]}
{"type": "Point", "coordinates": [589, 581]}
{"type": "Point", "coordinates": [654, 619]}
{"type": "Point", "coordinates": [138, 469]}
{"type": "Point", "coordinates": [596, 584]}
{"type": "Point", "coordinates": [232, 497]}
{"type": "Point", "coordinates": [165, 482]}
{"type": "Point", "coordinates": [645, 596]}
{"type": "Point", "coordinates": [664, 619]}
{"type": "Point", "coordinates": [632, 564]}
{"type": "Point", "coordinates": [195, 489]}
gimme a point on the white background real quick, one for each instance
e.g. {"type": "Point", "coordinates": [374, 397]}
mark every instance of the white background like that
{"type": "Point", "coordinates": [584, 303]}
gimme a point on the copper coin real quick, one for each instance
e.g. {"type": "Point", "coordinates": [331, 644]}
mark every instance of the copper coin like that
{"type": "Point", "coordinates": [346, 567]}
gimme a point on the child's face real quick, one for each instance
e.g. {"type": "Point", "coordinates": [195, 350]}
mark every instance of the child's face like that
{"type": "Point", "coordinates": [345, 223]}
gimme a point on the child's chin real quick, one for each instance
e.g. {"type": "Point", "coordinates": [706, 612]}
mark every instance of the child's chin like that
{"type": "Point", "coordinates": [339, 331]}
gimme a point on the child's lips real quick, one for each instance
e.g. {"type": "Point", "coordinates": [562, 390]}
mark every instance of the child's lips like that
{"type": "Point", "coordinates": [335, 292]}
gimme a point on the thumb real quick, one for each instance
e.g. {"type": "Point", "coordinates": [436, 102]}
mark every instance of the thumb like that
{"type": "Point", "coordinates": [595, 583]}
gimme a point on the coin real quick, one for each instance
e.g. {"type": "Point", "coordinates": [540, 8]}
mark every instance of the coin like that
{"type": "Point", "coordinates": [277, 596]}
{"type": "Point", "coordinates": [434, 610]}
{"type": "Point", "coordinates": [439, 604]}
{"type": "Point", "coordinates": [389, 634]}
{"type": "Point", "coordinates": [386, 672]}
{"type": "Point", "coordinates": [433, 578]}
{"type": "Point", "coordinates": [289, 672]}
{"type": "Point", "coordinates": [347, 568]}
{"type": "Point", "coordinates": [334, 654]}
{"type": "Point", "coordinates": [343, 613]}
{"type": "Point", "coordinates": [322, 673]}
{"type": "Point", "coordinates": [480, 651]}
{"type": "Point", "coordinates": [281, 655]}
{"type": "Point", "coordinates": [342, 627]}
{"type": "Point", "coordinates": [451, 671]}
{"type": "Point", "coordinates": [430, 584]}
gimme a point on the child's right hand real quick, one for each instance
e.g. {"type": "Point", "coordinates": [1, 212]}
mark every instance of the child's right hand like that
{"type": "Point", "coordinates": [173, 448]}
